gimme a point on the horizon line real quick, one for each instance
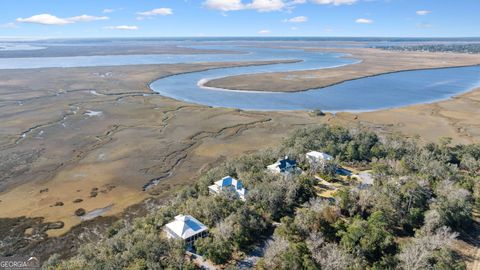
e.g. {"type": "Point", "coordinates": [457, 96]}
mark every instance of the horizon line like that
{"type": "Point", "coordinates": [32, 38]}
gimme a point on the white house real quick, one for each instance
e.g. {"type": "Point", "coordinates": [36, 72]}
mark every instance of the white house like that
{"type": "Point", "coordinates": [187, 228]}
{"type": "Point", "coordinates": [315, 157]}
{"type": "Point", "coordinates": [318, 160]}
{"type": "Point", "coordinates": [228, 183]}
{"type": "Point", "coordinates": [284, 166]}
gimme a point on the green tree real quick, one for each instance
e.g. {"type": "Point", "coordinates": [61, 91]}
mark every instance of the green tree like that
{"type": "Point", "coordinates": [215, 248]}
{"type": "Point", "coordinates": [369, 237]}
{"type": "Point", "coordinates": [454, 204]}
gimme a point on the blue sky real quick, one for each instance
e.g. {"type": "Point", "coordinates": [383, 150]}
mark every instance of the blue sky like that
{"type": "Point", "coordinates": [169, 18]}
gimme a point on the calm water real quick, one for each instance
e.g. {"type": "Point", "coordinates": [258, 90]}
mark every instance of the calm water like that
{"type": "Point", "coordinates": [367, 94]}
{"type": "Point", "coordinates": [373, 93]}
{"type": "Point", "coordinates": [18, 47]}
{"type": "Point", "coordinates": [313, 60]}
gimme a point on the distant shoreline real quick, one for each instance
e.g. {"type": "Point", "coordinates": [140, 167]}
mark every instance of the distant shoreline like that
{"type": "Point", "coordinates": [74, 51]}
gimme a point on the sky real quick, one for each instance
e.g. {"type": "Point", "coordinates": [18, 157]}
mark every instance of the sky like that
{"type": "Point", "coordinates": [195, 18]}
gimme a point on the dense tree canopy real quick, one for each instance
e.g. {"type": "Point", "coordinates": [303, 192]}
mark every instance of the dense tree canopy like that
{"type": "Point", "coordinates": [422, 198]}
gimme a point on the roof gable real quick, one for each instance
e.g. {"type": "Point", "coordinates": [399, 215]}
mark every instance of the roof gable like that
{"type": "Point", "coordinates": [229, 181]}
{"type": "Point", "coordinates": [319, 155]}
{"type": "Point", "coordinates": [286, 163]}
{"type": "Point", "coordinates": [186, 226]}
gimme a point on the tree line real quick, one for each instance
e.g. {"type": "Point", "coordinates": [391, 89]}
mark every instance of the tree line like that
{"type": "Point", "coordinates": [472, 48]}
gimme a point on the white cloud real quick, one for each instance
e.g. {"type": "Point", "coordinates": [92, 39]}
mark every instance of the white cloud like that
{"type": "Point", "coordinates": [269, 5]}
{"type": "Point", "coordinates": [266, 5]}
{"type": "Point", "coordinates": [335, 2]}
{"type": "Point", "coordinates": [258, 5]}
{"type": "Point", "coordinates": [224, 5]}
{"type": "Point", "coordinates": [423, 12]}
{"type": "Point", "coordinates": [264, 32]}
{"type": "Point", "coordinates": [122, 27]}
{"type": "Point", "coordinates": [363, 20]}
{"type": "Point", "coordinates": [293, 28]}
{"type": "Point", "coordinates": [156, 12]}
{"type": "Point", "coordinates": [298, 19]}
{"type": "Point", "coordinates": [87, 18]}
{"type": "Point", "coordinates": [108, 10]}
{"type": "Point", "coordinates": [49, 19]}
{"type": "Point", "coordinates": [8, 25]}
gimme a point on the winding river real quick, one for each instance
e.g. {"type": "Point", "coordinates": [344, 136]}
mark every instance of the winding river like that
{"type": "Point", "coordinates": [366, 94]}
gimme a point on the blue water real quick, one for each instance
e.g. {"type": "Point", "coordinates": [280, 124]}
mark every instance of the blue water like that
{"type": "Point", "coordinates": [366, 94]}
{"type": "Point", "coordinates": [18, 47]}
{"type": "Point", "coordinates": [314, 60]}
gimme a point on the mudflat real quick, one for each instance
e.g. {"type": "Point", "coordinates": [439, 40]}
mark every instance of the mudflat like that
{"type": "Point", "coordinates": [457, 118]}
{"type": "Point", "coordinates": [95, 138]}
{"type": "Point", "coordinates": [374, 62]}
